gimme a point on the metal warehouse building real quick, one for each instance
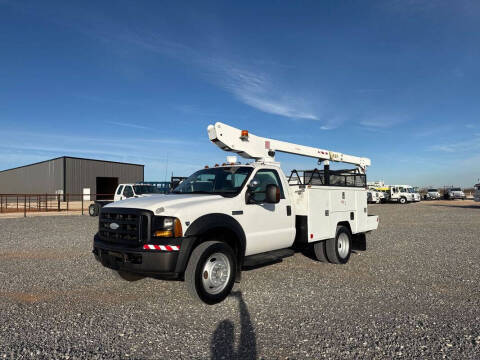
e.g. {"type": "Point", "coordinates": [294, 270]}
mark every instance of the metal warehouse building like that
{"type": "Point", "coordinates": [69, 175]}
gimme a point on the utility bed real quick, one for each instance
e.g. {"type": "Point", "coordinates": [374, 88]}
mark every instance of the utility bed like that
{"type": "Point", "coordinates": [322, 205]}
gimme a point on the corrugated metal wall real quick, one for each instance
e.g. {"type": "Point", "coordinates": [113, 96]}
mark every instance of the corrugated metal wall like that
{"type": "Point", "coordinates": [83, 173]}
{"type": "Point", "coordinates": [40, 178]}
{"type": "Point", "coordinates": [48, 176]}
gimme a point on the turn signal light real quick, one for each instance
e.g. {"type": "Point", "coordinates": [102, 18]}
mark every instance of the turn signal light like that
{"type": "Point", "coordinates": [177, 228]}
{"type": "Point", "coordinates": [163, 233]}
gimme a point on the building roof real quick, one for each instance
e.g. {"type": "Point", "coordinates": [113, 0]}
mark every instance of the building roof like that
{"type": "Point", "coordinates": [72, 157]}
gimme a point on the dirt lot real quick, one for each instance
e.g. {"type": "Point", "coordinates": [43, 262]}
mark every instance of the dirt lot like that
{"type": "Point", "coordinates": [413, 294]}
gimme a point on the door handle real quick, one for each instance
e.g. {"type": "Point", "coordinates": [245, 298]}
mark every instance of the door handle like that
{"type": "Point", "coordinates": [289, 210]}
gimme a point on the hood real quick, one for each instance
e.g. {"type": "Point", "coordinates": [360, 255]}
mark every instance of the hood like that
{"type": "Point", "coordinates": [169, 201]}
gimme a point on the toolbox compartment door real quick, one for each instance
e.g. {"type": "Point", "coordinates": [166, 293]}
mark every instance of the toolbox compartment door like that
{"type": "Point", "coordinates": [319, 215]}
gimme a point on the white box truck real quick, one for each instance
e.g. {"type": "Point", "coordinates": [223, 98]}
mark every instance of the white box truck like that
{"type": "Point", "coordinates": [222, 218]}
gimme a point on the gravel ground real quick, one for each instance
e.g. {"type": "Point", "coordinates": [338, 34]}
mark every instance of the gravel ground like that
{"type": "Point", "coordinates": [414, 293]}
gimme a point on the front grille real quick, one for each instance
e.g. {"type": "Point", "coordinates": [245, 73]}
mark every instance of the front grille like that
{"type": "Point", "coordinates": [125, 226]}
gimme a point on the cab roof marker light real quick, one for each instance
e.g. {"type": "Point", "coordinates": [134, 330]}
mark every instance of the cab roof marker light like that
{"type": "Point", "coordinates": [244, 135]}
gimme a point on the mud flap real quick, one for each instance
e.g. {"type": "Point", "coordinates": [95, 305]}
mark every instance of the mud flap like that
{"type": "Point", "coordinates": [359, 242]}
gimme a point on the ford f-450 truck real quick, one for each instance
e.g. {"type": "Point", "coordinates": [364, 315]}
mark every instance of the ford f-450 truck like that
{"type": "Point", "coordinates": [222, 218]}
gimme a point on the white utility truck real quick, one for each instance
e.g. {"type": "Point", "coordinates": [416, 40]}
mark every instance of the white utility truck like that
{"type": "Point", "coordinates": [416, 197]}
{"type": "Point", "coordinates": [433, 194]}
{"type": "Point", "coordinates": [397, 193]}
{"type": "Point", "coordinates": [225, 218]}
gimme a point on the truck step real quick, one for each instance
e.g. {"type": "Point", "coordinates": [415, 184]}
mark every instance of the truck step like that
{"type": "Point", "coordinates": [258, 260]}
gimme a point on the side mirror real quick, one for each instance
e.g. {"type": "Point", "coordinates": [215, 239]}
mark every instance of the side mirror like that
{"type": "Point", "coordinates": [272, 194]}
{"type": "Point", "coordinates": [253, 184]}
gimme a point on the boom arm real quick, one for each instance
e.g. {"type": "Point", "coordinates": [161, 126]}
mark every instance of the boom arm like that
{"type": "Point", "coordinates": [259, 148]}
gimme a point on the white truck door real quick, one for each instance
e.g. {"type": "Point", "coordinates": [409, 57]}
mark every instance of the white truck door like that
{"type": "Point", "coordinates": [118, 193]}
{"type": "Point", "coordinates": [268, 226]}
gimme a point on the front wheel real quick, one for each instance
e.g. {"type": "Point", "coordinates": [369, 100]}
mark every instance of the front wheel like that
{"type": "Point", "coordinates": [340, 247]}
{"type": "Point", "coordinates": [403, 200]}
{"type": "Point", "coordinates": [93, 210]}
{"type": "Point", "coordinates": [210, 272]}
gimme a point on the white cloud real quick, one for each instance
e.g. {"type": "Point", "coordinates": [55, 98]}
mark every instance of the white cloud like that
{"type": "Point", "coordinates": [468, 145]}
{"type": "Point", "coordinates": [383, 121]}
{"type": "Point", "coordinates": [134, 126]}
{"type": "Point", "coordinates": [253, 87]}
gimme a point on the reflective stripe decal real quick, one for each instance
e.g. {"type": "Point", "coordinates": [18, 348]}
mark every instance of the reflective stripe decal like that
{"type": "Point", "coordinates": [161, 247]}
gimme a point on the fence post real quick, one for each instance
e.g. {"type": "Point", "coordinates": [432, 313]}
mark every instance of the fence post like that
{"type": "Point", "coordinates": [25, 206]}
{"type": "Point", "coordinates": [68, 198]}
{"type": "Point", "coordinates": [58, 202]}
{"type": "Point", "coordinates": [46, 202]}
{"type": "Point", "coordinates": [82, 204]}
{"type": "Point", "coordinates": [17, 202]}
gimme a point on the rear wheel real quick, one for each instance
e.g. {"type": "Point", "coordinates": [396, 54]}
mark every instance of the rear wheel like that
{"type": "Point", "coordinates": [339, 248]}
{"type": "Point", "coordinates": [320, 251]}
{"type": "Point", "coordinates": [93, 209]}
{"type": "Point", "coordinates": [210, 272]}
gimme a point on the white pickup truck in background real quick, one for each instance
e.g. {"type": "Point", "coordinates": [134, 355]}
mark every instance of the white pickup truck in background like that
{"type": "Point", "coordinates": [122, 192]}
{"type": "Point", "coordinates": [223, 218]}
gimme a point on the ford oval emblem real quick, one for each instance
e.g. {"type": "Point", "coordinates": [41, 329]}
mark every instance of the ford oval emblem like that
{"type": "Point", "coordinates": [114, 226]}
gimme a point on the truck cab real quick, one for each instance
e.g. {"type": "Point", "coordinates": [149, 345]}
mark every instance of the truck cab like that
{"type": "Point", "coordinates": [433, 194]}
{"type": "Point", "coordinates": [126, 191]}
{"type": "Point", "coordinates": [400, 194]}
{"type": "Point", "coordinates": [416, 197]}
{"type": "Point", "coordinates": [222, 218]}
{"type": "Point", "coordinates": [455, 193]}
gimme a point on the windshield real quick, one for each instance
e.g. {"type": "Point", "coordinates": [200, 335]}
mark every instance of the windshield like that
{"type": "Point", "coordinates": [222, 181]}
{"type": "Point", "coordinates": [456, 189]}
{"type": "Point", "coordinates": [145, 189]}
{"type": "Point", "coordinates": [432, 190]}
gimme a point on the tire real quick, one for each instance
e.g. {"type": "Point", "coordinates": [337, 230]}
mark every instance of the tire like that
{"type": "Point", "coordinates": [93, 209]}
{"type": "Point", "coordinates": [320, 251]}
{"type": "Point", "coordinates": [128, 276]}
{"type": "Point", "coordinates": [402, 200]}
{"type": "Point", "coordinates": [339, 248]}
{"type": "Point", "coordinates": [206, 259]}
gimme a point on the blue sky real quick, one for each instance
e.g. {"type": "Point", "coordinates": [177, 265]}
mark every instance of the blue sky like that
{"type": "Point", "coordinates": [396, 81]}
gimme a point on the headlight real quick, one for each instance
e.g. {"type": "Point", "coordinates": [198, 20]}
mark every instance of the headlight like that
{"type": "Point", "coordinates": [167, 227]}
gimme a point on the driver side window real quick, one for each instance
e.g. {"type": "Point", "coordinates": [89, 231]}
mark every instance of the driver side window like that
{"type": "Point", "coordinates": [266, 177]}
{"type": "Point", "coordinates": [128, 192]}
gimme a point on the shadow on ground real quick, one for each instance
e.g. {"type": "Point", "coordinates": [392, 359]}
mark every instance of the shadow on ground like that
{"type": "Point", "coordinates": [222, 344]}
{"type": "Point", "coordinates": [459, 206]}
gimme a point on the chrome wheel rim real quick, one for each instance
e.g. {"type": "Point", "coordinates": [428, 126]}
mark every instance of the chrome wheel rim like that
{"type": "Point", "coordinates": [343, 245]}
{"type": "Point", "coordinates": [215, 273]}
